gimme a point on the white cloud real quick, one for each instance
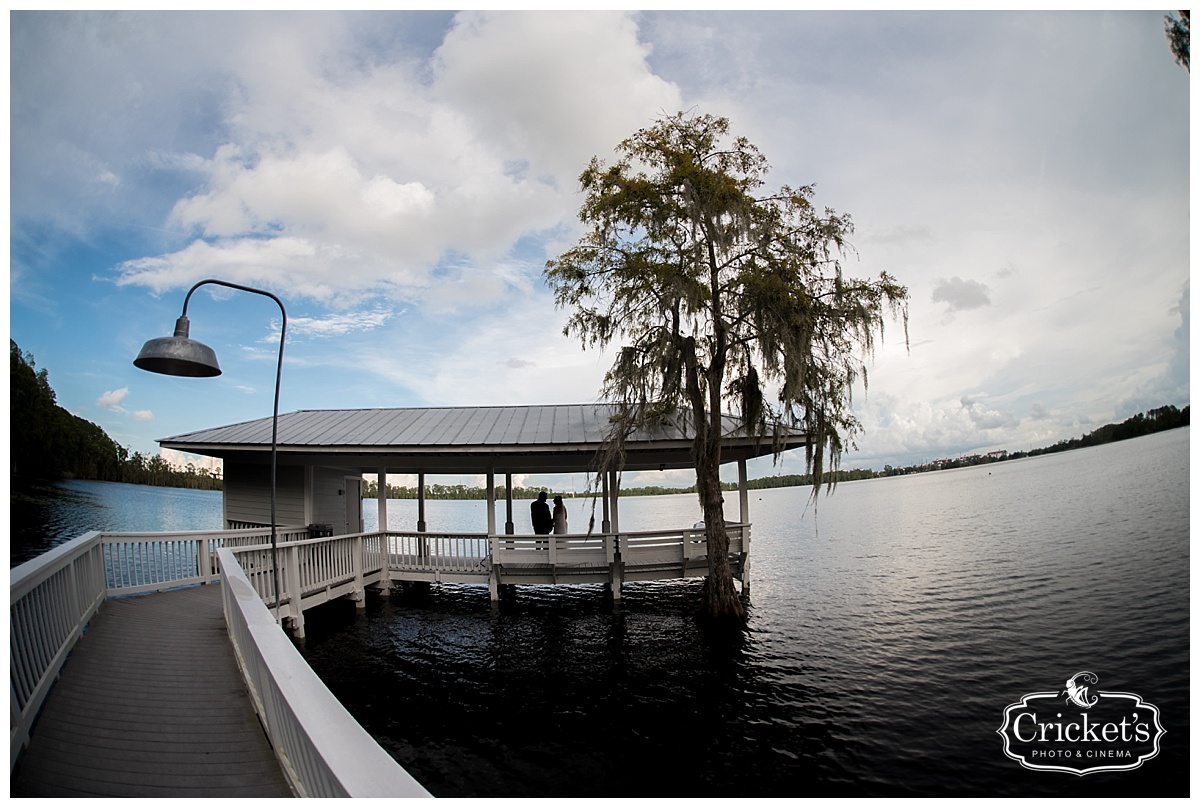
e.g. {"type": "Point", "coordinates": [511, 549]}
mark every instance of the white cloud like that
{"type": "Point", "coordinates": [346, 178]}
{"type": "Point", "coordinates": [400, 178]}
{"type": "Point", "coordinates": [112, 398]}
{"type": "Point", "coordinates": [334, 325]}
{"type": "Point", "coordinates": [180, 459]}
{"type": "Point", "coordinates": [987, 419]}
{"type": "Point", "coordinates": [959, 294]}
{"type": "Point", "coordinates": [143, 415]}
{"type": "Point", "coordinates": [470, 289]}
{"type": "Point", "coordinates": [1171, 383]}
{"type": "Point", "coordinates": [515, 355]}
{"type": "Point", "coordinates": [552, 89]}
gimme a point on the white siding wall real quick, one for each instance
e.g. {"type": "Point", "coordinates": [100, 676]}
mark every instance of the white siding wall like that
{"type": "Point", "coordinates": [329, 498]}
{"type": "Point", "coordinates": [248, 494]}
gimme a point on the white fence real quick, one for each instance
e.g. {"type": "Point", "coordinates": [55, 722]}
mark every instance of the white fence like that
{"type": "Point", "coordinates": [438, 552]}
{"type": "Point", "coordinates": [322, 750]}
{"type": "Point", "coordinates": [53, 597]}
{"type": "Point", "coordinates": [311, 572]}
{"type": "Point", "coordinates": [149, 562]}
{"type": "Point", "coordinates": [635, 549]}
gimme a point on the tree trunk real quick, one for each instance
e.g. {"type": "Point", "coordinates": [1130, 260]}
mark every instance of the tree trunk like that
{"type": "Point", "coordinates": [720, 600]}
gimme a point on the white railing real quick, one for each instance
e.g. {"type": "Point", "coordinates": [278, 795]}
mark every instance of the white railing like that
{"type": "Point", "coordinates": [136, 563]}
{"type": "Point", "coordinates": [634, 549]}
{"type": "Point", "coordinates": [51, 600]}
{"type": "Point", "coordinates": [311, 571]}
{"type": "Point", "coordinates": [446, 552]}
{"type": "Point", "coordinates": [657, 547]}
{"type": "Point", "coordinates": [53, 597]}
{"type": "Point", "coordinates": [571, 550]}
{"type": "Point", "coordinates": [323, 750]}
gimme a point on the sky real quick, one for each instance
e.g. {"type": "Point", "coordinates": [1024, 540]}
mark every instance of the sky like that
{"type": "Point", "coordinates": [400, 179]}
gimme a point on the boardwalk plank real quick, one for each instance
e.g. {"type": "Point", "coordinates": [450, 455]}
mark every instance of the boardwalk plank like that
{"type": "Point", "coordinates": [151, 704]}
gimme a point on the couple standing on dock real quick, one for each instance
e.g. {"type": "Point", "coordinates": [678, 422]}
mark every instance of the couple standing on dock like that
{"type": "Point", "coordinates": [543, 522]}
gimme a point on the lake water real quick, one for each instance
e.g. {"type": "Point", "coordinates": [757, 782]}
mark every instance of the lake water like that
{"type": "Point", "coordinates": [888, 629]}
{"type": "Point", "coordinates": [44, 516]}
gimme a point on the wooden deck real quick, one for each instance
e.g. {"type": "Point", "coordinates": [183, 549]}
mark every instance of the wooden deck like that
{"type": "Point", "coordinates": [151, 704]}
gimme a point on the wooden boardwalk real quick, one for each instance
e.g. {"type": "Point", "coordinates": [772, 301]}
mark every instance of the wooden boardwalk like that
{"type": "Point", "coordinates": [151, 704]}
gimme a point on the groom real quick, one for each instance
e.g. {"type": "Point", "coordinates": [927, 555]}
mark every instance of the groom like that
{"type": "Point", "coordinates": [539, 513]}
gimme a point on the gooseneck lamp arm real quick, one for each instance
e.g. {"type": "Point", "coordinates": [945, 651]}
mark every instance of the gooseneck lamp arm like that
{"type": "Point", "coordinates": [179, 355]}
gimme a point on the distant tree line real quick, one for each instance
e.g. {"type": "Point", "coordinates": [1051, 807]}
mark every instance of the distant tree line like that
{"type": "Point", "coordinates": [49, 443]}
{"type": "Point", "coordinates": [1156, 420]}
{"type": "Point", "coordinates": [1144, 423]}
{"type": "Point", "coordinates": [153, 470]}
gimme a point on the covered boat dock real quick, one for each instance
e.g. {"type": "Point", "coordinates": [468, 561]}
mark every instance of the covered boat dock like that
{"type": "Point", "coordinates": [323, 455]}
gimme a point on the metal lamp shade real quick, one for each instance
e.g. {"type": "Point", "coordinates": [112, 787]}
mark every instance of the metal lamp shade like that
{"type": "Point", "coordinates": [178, 355]}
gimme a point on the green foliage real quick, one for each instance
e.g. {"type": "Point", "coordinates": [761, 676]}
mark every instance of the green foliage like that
{"type": "Point", "coordinates": [49, 443]}
{"type": "Point", "coordinates": [719, 293]}
{"type": "Point", "coordinates": [1179, 35]}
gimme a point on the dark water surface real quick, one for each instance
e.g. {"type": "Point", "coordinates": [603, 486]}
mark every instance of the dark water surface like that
{"type": "Point", "coordinates": [888, 631]}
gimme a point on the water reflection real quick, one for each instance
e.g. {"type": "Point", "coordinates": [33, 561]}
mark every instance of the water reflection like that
{"type": "Point", "coordinates": [888, 629]}
{"type": "Point", "coordinates": [44, 515]}
{"type": "Point", "coordinates": [887, 632]}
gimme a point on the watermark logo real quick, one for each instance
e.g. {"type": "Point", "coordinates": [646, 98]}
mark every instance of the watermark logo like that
{"type": "Point", "coordinates": [1080, 730]}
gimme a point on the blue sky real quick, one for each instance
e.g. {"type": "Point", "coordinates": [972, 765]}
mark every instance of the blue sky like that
{"type": "Point", "coordinates": [401, 178]}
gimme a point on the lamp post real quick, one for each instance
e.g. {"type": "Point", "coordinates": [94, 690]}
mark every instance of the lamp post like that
{"type": "Point", "coordinates": [180, 356]}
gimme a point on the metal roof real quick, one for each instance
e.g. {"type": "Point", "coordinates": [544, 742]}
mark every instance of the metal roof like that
{"type": "Point", "coordinates": [562, 437]}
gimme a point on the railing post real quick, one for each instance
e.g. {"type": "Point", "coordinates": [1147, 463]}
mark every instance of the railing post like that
{"type": "Point", "coordinates": [73, 591]}
{"type": "Point", "coordinates": [356, 561]}
{"type": "Point", "coordinates": [385, 562]}
{"type": "Point", "coordinates": [205, 560]}
{"type": "Point", "coordinates": [295, 609]}
{"type": "Point", "coordinates": [745, 559]}
{"type": "Point", "coordinates": [612, 547]}
{"type": "Point", "coordinates": [494, 573]}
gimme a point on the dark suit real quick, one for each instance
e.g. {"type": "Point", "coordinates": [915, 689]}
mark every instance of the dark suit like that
{"type": "Point", "coordinates": [539, 513]}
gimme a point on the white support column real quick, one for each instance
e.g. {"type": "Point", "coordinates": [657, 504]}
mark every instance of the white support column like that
{"type": "Point", "coordinates": [610, 502]}
{"type": "Point", "coordinates": [385, 555]}
{"type": "Point", "coordinates": [491, 501]}
{"type": "Point", "coordinates": [421, 502]}
{"type": "Point", "coordinates": [616, 570]}
{"type": "Point", "coordinates": [509, 527]}
{"type": "Point", "coordinates": [381, 494]}
{"type": "Point", "coordinates": [606, 524]}
{"type": "Point", "coordinates": [613, 487]}
{"type": "Point", "coordinates": [494, 575]}
{"type": "Point", "coordinates": [743, 495]}
{"type": "Point", "coordinates": [744, 517]}
{"type": "Point", "coordinates": [423, 549]}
